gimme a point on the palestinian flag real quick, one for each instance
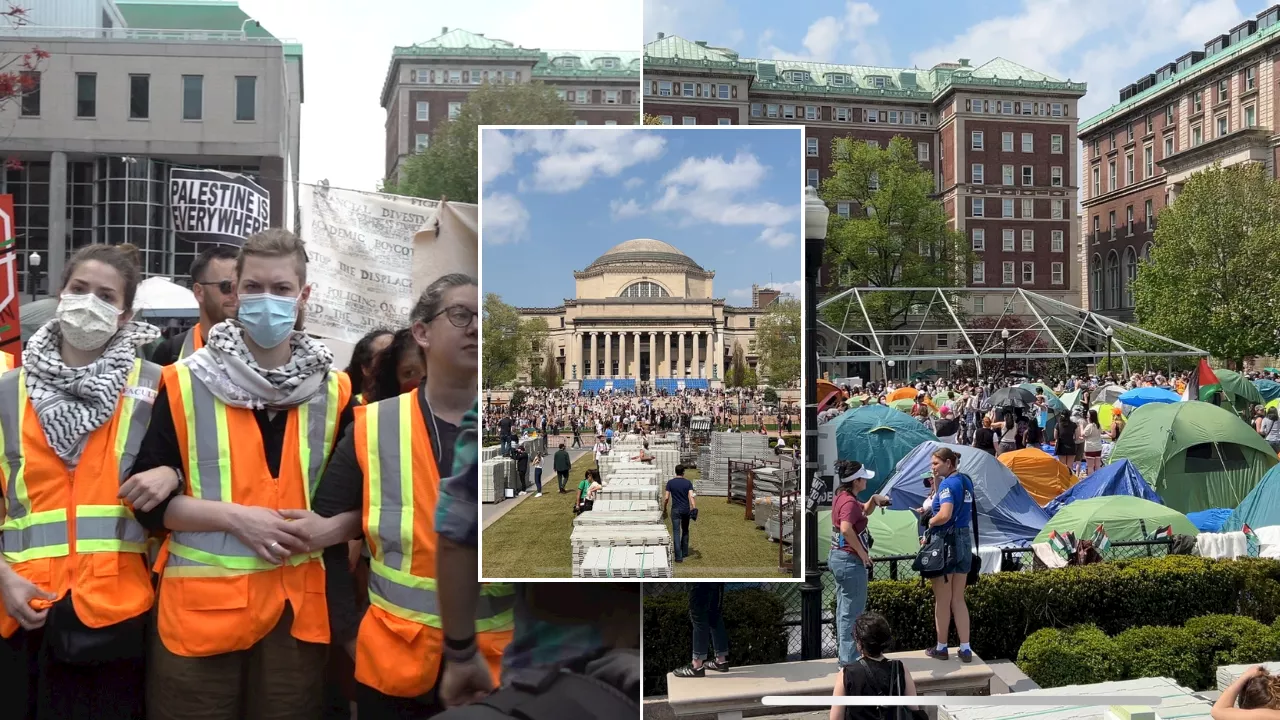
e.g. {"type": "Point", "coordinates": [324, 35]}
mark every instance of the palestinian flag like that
{"type": "Point", "coordinates": [1164, 533]}
{"type": "Point", "coordinates": [1061, 544]}
{"type": "Point", "coordinates": [1252, 539]}
{"type": "Point", "coordinates": [1100, 540]}
{"type": "Point", "coordinates": [1204, 385]}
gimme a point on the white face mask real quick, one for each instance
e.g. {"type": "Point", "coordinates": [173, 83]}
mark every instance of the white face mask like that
{"type": "Point", "coordinates": [87, 321]}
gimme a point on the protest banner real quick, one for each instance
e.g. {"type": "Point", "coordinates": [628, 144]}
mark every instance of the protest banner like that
{"type": "Point", "coordinates": [10, 325]}
{"type": "Point", "coordinates": [361, 250]}
{"type": "Point", "coordinates": [212, 206]}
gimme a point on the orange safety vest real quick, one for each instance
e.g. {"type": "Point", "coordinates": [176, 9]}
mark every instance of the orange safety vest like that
{"type": "Point", "coordinates": [191, 343]}
{"type": "Point", "coordinates": [64, 530]}
{"type": "Point", "coordinates": [217, 595]}
{"type": "Point", "coordinates": [401, 639]}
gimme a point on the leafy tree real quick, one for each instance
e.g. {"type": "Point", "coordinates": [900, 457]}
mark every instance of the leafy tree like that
{"type": "Point", "coordinates": [986, 329]}
{"type": "Point", "coordinates": [770, 396]}
{"type": "Point", "coordinates": [778, 341]}
{"type": "Point", "coordinates": [737, 375]}
{"type": "Point", "coordinates": [14, 80]}
{"type": "Point", "coordinates": [449, 166]}
{"type": "Point", "coordinates": [650, 120]}
{"type": "Point", "coordinates": [550, 372]}
{"type": "Point", "coordinates": [1214, 273]}
{"type": "Point", "coordinates": [517, 400]}
{"type": "Point", "coordinates": [511, 345]}
{"type": "Point", "coordinates": [899, 237]}
{"type": "Point", "coordinates": [750, 379]}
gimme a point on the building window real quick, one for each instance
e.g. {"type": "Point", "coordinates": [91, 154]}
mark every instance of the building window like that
{"type": "Point", "coordinates": [869, 115]}
{"type": "Point", "coordinates": [979, 239]}
{"type": "Point", "coordinates": [421, 142]}
{"type": "Point", "coordinates": [1128, 169]}
{"type": "Point", "coordinates": [1006, 142]}
{"type": "Point", "coordinates": [1055, 109]}
{"type": "Point", "coordinates": [810, 112]}
{"type": "Point", "coordinates": [893, 117]}
{"type": "Point", "coordinates": [873, 182]}
{"type": "Point", "coordinates": [723, 121]}
{"type": "Point", "coordinates": [1148, 162]}
{"type": "Point", "coordinates": [1006, 107]}
{"type": "Point", "coordinates": [1222, 125]}
{"type": "Point", "coordinates": [922, 152]}
{"type": "Point", "coordinates": [812, 176]}
{"type": "Point", "coordinates": [789, 112]}
{"type": "Point", "coordinates": [1055, 144]}
{"type": "Point", "coordinates": [842, 209]}
{"type": "Point", "coordinates": [1006, 240]}
{"type": "Point", "coordinates": [1150, 125]}
{"type": "Point", "coordinates": [139, 97]}
{"type": "Point", "coordinates": [1111, 221]}
{"type": "Point", "coordinates": [1250, 117]}
{"type": "Point", "coordinates": [757, 109]}
{"type": "Point", "coordinates": [454, 109]}
{"type": "Point", "coordinates": [1197, 136]}
{"type": "Point", "coordinates": [610, 97]}
{"type": "Point", "coordinates": [192, 97]}
{"type": "Point", "coordinates": [811, 147]}
{"type": "Point", "coordinates": [1111, 175]}
{"type": "Point", "coordinates": [1028, 208]}
{"type": "Point", "coordinates": [1129, 219]}
{"type": "Point", "coordinates": [978, 303]}
{"type": "Point", "coordinates": [1130, 274]}
{"type": "Point", "coordinates": [664, 88]}
{"type": "Point", "coordinates": [1028, 143]}
{"type": "Point", "coordinates": [1250, 78]}
{"type": "Point", "coordinates": [1028, 241]}
{"type": "Point", "coordinates": [688, 120]}
{"type": "Point", "coordinates": [975, 140]}
{"type": "Point", "coordinates": [1055, 176]}
{"type": "Point", "coordinates": [1055, 241]}
{"type": "Point", "coordinates": [687, 90]}
{"type": "Point", "coordinates": [86, 95]}
{"type": "Point", "coordinates": [246, 98]}
{"type": "Point", "coordinates": [1097, 183]}
{"type": "Point", "coordinates": [1028, 175]}
{"type": "Point", "coordinates": [645, 289]}
{"type": "Point", "coordinates": [424, 111]}
{"type": "Point", "coordinates": [842, 114]}
{"type": "Point", "coordinates": [1147, 209]}
{"type": "Point", "coordinates": [1095, 228]}
{"type": "Point", "coordinates": [1006, 174]}
{"type": "Point", "coordinates": [1056, 209]}
{"type": "Point", "coordinates": [1007, 273]}
{"type": "Point", "coordinates": [1168, 146]}
{"type": "Point", "coordinates": [771, 111]}
{"type": "Point", "coordinates": [1224, 89]}
{"type": "Point", "coordinates": [1168, 115]}
{"type": "Point", "coordinates": [615, 122]}
{"type": "Point", "coordinates": [976, 207]}
{"type": "Point", "coordinates": [1055, 271]}
{"type": "Point", "coordinates": [1006, 207]}
{"type": "Point", "coordinates": [30, 106]}
{"type": "Point", "coordinates": [722, 92]}
{"type": "Point", "coordinates": [1028, 273]}
{"type": "Point", "coordinates": [975, 174]}
{"type": "Point", "coordinates": [979, 272]}
{"type": "Point", "coordinates": [1197, 102]}
{"type": "Point", "coordinates": [664, 119]}
{"type": "Point", "coordinates": [580, 122]}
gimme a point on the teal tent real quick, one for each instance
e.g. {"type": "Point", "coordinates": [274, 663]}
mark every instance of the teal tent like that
{"type": "Point", "coordinates": [1261, 507]}
{"type": "Point", "coordinates": [878, 437]}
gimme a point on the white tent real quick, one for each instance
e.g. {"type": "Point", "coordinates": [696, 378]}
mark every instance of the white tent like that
{"type": "Point", "coordinates": [161, 297]}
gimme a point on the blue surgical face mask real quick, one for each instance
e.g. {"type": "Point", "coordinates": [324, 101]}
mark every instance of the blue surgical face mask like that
{"type": "Point", "coordinates": [268, 319]}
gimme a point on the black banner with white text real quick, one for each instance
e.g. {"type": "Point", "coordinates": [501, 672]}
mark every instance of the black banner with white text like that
{"type": "Point", "coordinates": [211, 206]}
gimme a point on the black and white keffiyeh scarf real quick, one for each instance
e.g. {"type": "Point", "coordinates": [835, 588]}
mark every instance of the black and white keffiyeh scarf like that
{"type": "Point", "coordinates": [72, 402]}
{"type": "Point", "coordinates": [228, 369]}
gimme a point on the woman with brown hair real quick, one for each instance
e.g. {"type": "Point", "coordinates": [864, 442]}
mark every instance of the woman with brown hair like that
{"type": "Point", "coordinates": [952, 510]}
{"type": "Point", "coordinates": [1258, 693]}
{"type": "Point", "coordinates": [850, 556]}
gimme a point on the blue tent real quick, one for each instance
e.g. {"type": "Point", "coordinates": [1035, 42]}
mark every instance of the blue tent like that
{"type": "Point", "coordinates": [1007, 515]}
{"type": "Point", "coordinates": [878, 437]}
{"type": "Point", "coordinates": [1268, 389]}
{"type": "Point", "coordinates": [1261, 507]}
{"type": "Point", "coordinates": [1118, 478]}
{"type": "Point", "coordinates": [1211, 520]}
{"type": "Point", "coordinates": [1143, 395]}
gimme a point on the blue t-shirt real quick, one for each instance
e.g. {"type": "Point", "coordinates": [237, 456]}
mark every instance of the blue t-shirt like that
{"type": "Point", "coordinates": [608, 433]}
{"type": "Point", "coordinates": [679, 488]}
{"type": "Point", "coordinates": [949, 490]}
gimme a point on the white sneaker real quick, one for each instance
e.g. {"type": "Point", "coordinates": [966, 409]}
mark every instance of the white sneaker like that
{"type": "Point", "coordinates": [538, 495]}
{"type": "Point", "coordinates": [524, 492]}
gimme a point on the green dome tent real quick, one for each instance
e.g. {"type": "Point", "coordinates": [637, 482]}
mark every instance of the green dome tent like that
{"type": "Point", "coordinates": [1125, 518]}
{"type": "Point", "coordinates": [878, 437]}
{"type": "Point", "coordinates": [1240, 391]}
{"type": "Point", "coordinates": [893, 533]}
{"type": "Point", "coordinates": [1195, 455]}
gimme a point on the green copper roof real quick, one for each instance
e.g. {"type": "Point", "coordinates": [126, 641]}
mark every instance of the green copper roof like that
{"type": "Point", "coordinates": [1249, 44]}
{"type": "Point", "coordinates": [588, 64]}
{"type": "Point", "coordinates": [459, 42]}
{"type": "Point", "coordinates": [222, 15]}
{"type": "Point", "coordinates": [462, 42]}
{"type": "Point", "coordinates": [916, 84]}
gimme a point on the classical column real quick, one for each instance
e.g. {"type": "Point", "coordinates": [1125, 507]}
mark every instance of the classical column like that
{"type": "Point", "coordinates": [701, 353]}
{"type": "Point", "coordinates": [666, 354]}
{"type": "Point", "coordinates": [680, 368]}
{"type": "Point", "coordinates": [653, 355]}
{"type": "Point", "coordinates": [711, 354]}
{"type": "Point", "coordinates": [608, 354]}
{"type": "Point", "coordinates": [635, 350]}
{"type": "Point", "coordinates": [594, 356]}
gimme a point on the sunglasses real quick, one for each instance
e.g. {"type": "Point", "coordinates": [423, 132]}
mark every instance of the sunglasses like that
{"type": "Point", "coordinates": [459, 316]}
{"type": "Point", "coordinates": [226, 287]}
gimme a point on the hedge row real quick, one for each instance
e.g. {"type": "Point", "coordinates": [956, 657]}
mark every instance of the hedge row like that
{"type": "Point", "coordinates": [1189, 654]}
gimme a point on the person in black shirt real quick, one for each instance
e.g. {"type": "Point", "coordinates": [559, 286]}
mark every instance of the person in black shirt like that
{"type": "Point", "coordinates": [873, 674]}
{"type": "Point", "coordinates": [504, 434]}
{"type": "Point", "coordinates": [680, 495]}
{"type": "Point", "coordinates": [213, 277]}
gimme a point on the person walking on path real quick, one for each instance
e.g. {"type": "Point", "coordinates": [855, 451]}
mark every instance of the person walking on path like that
{"type": "Point", "coordinates": [706, 601]}
{"type": "Point", "coordinates": [561, 464]}
{"type": "Point", "coordinates": [680, 496]}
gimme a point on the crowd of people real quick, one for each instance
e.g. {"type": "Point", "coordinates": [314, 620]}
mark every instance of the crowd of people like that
{"type": "Point", "coordinates": [222, 524]}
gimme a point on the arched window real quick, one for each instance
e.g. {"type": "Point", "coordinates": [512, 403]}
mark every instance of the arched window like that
{"type": "Point", "coordinates": [1146, 252]}
{"type": "Point", "coordinates": [644, 289]}
{"type": "Point", "coordinates": [1130, 274]}
{"type": "Point", "coordinates": [1113, 280]}
{"type": "Point", "coordinates": [1095, 280]}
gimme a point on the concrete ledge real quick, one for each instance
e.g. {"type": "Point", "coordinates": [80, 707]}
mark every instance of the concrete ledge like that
{"type": "Point", "coordinates": [738, 692]}
{"type": "Point", "coordinates": [1008, 677]}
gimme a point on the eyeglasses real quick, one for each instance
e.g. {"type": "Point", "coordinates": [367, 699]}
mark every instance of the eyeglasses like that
{"type": "Point", "coordinates": [226, 287]}
{"type": "Point", "coordinates": [459, 316]}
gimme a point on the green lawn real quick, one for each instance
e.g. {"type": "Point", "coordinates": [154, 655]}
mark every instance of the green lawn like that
{"type": "Point", "coordinates": [532, 540]}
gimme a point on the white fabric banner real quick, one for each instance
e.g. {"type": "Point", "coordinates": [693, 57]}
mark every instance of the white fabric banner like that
{"type": "Point", "coordinates": [362, 264]}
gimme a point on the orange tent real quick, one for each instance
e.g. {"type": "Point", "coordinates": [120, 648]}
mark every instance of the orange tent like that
{"type": "Point", "coordinates": [828, 393]}
{"type": "Point", "coordinates": [1041, 474]}
{"type": "Point", "coordinates": [904, 393]}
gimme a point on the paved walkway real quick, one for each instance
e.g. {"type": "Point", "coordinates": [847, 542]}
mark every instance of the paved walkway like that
{"type": "Point", "coordinates": [490, 512]}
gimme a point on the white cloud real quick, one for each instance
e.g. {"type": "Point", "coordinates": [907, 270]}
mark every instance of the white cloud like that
{"type": "Point", "coordinates": [498, 155]}
{"type": "Point", "coordinates": [690, 20]}
{"type": "Point", "coordinates": [777, 238]}
{"type": "Point", "coordinates": [714, 190]}
{"type": "Point", "coordinates": [851, 38]}
{"type": "Point", "coordinates": [633, 183]}
{"type": "Point", "coordinates": [504, 219]}
{"type": "Point", "coordinates": [623, 210]}
{"type": "Point", "coordinates": [569, 159]}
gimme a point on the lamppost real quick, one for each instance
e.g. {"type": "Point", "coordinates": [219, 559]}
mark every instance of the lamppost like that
{"type": "Point", "coordinates": [816, 215]}
{"type": "Point", "coordinates": [890, 365]}
{"type": "Point", "coordinates": [959, 363]}
{"type": "Point", "coordinates": [33, 273]}
{"type": "Point", "coordinates": [1004, 342]}
{"type": "Point", "coordinates": [1109, 332]}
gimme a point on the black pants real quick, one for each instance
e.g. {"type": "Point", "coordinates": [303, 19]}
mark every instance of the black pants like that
{"type": "Point", "coordinates": [562, 476]}
{"type": "Point", "coordinates": [372, 704]}
{"type": "Point", "coordinates": [35, 686]}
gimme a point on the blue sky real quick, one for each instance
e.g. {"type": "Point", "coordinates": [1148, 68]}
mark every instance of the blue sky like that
{"type": "Point", "coordinates": [1104, 43]}
{"type": "Point", "coordinates": [555, 200]}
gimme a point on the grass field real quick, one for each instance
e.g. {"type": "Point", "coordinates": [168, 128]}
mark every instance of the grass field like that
{"type": "Point", "coordinates": [532, 540]}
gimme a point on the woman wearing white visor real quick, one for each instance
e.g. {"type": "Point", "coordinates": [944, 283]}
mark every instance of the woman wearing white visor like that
{"type": "Point", "coordinates": [850, 556]}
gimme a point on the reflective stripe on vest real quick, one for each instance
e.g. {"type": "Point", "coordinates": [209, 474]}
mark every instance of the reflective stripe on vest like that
{"type": "Point", "coordinates": [191, 342]}
{"type": "Point", "coordinates": [30, 535]}
{"type": "Point", "coordinates": [208, 554]}
{"type": "Point", "coordinates": [389, 435]}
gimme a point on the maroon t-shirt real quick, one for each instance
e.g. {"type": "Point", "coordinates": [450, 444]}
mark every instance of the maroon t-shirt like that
{"type": "Point", "coordinates": [846, 507]}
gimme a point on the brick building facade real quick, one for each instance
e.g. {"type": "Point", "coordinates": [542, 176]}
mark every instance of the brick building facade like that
{"type": "Point", "coordinates": [427, 83]}
{"type": "Point", "coordinates": [1215, 105]}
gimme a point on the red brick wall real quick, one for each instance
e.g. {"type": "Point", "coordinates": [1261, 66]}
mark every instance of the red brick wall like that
{"type": "Point", "coordinates": [392, 136]}
{"type": "Point", "coordinates": [622, 116]}
{"type": "Point", "coordinates": [1040, 159]}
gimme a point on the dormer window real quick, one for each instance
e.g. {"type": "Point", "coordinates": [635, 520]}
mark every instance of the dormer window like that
{"type": "Point", "coordinates": [567, 63]}
{"type": "Point", "coordinates": [797, 76]}
{"type": "Point", "coordinates": [608, 63]}
{"type": "Point", "coordinates": [838, 79]}
{"type": "Point", "coordinates": [879, 82]}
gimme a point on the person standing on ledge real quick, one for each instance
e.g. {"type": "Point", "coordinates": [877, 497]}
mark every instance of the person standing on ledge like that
{"type": "Point", "coordinates": [213, 282]}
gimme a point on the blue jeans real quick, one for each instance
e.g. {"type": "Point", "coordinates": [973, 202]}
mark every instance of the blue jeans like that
{"type": "Point", "coordinates": [705, 600]}
{"type": "Point", "coordinates": [506, 447]}
{"type": "Point", "coordinates": [537, 477]}
{"type": "Point", "coordinates": [851, 600]}
{"type": "Point", "coordinates": [680, 535]}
